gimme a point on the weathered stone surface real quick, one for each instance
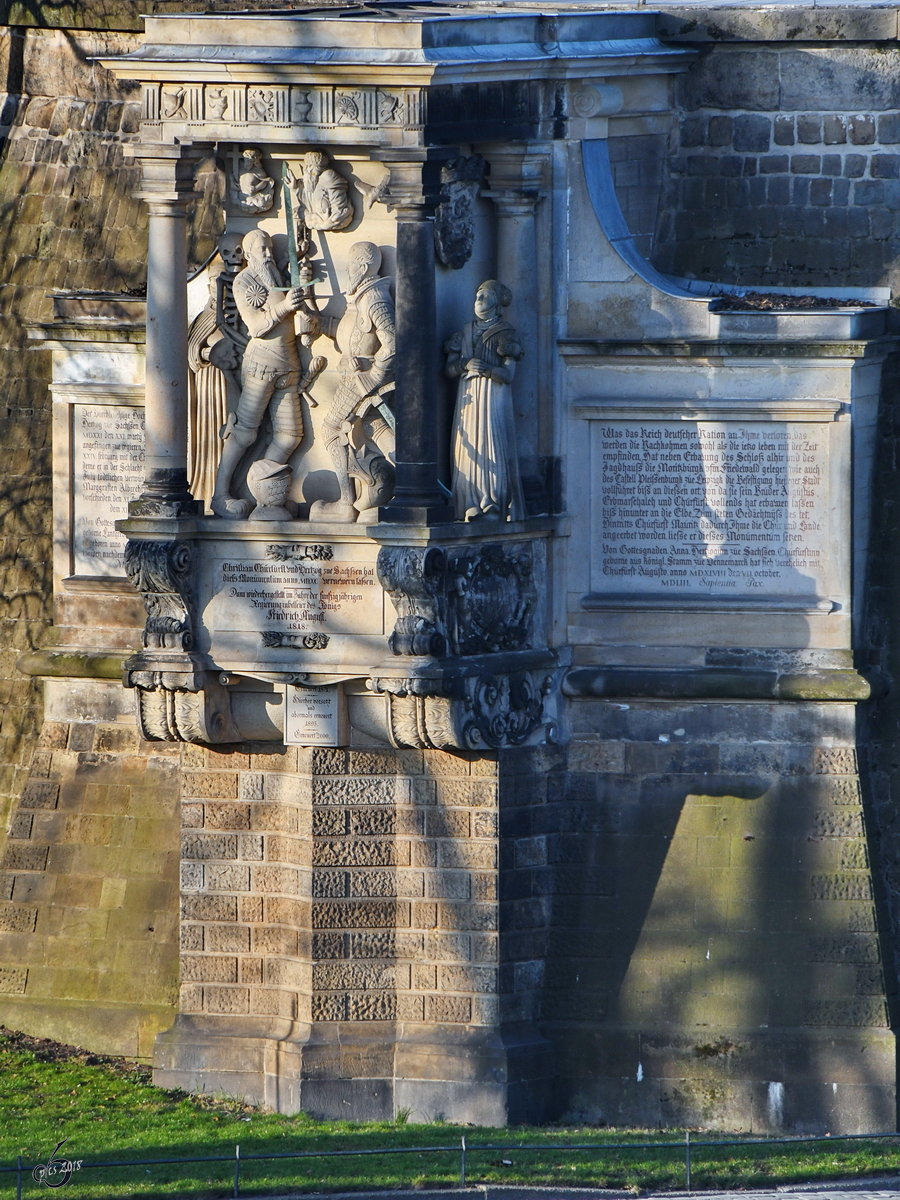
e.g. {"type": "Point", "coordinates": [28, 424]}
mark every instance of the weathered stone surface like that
{"type": "Point", "coordinates": [856, 948]}
{"type": "Point", "coordinates": [344, 976]}
{"type": "Point", "coordinates": [358, 853]}
{"type": "Point", "coordinates": [209, 968]}
{"type": "Point", "coordinates": [841, 885]}
{"type": "Point", "coordinates": [208, 846]}
{"type": "Point", "coordinates": [17, 918]}
{"type": "Point", "coordinates": [377, 914]}
{"type": "Point", "coordinates": [342, 791]}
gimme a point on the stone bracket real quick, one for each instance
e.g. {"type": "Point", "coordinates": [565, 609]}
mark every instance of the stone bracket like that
{"type": "Point", "coordinates": [472, 712]}
{"type": "Point", "coordinates": [164, 572]}
{"type": "Point", "coordinates": [173, 708]}
{"type": "Point", "coordinates": [475, 675]}
{"type": "Point", "coordinates": [461, 600]}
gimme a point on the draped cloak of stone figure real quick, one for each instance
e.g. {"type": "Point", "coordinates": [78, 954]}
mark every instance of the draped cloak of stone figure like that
{"type": "Point", "coordinates": [483, 356]}
{"type": "Point", "coordinates": [207, 403]}
{"type": "Point", "coordinates": [216, 342]}
{"type": "Point", "coordinates": [322, 194]}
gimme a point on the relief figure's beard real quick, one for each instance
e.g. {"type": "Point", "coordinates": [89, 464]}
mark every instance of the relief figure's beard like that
{"type": "Point", "coordinates": [266, 272]}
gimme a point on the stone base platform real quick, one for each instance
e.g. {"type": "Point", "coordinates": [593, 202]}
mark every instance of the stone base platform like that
{"type": "Point", "coordinates": [337, 1071]}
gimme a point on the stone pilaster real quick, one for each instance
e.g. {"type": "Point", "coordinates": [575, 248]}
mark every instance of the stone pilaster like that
{"type": "Point", "coordinates": [167, 186]}
{"type": "Point", "coordinates": [414, 194]}
{"type": "Point", "coordinates": [516, 189]}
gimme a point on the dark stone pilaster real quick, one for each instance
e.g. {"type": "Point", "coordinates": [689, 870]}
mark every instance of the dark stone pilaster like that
{"type": "Point", "coordinates": [420, 396]}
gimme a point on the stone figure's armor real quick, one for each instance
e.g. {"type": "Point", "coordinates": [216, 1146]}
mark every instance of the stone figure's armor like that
{"type": "Point", "coordinates": [365, 337]}
{"type": "Point", "coordinates": [270, 371]}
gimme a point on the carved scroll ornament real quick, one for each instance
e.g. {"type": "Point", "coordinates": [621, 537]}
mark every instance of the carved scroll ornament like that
{"type": "Point", "coordinates": [456, 606]}
{"type": "Point", "coordinates": [163, 573]}
{"type": "Point", "coordinates": [482, 712]}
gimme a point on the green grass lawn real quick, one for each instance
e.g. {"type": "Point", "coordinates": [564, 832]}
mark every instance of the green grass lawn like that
{"type": "Point", "coordinates": [109, 1110]}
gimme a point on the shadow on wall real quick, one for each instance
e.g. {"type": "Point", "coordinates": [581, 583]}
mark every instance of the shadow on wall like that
{"type": "Point", "coordinates": [726, 972]}
{"type": "Point", "coordinates": [783, 166]}
{"type": "Point", "coordinates": [67, 220]}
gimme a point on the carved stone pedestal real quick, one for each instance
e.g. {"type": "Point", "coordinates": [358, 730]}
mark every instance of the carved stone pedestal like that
{"type": "Point", "coordinates": [341, 932]}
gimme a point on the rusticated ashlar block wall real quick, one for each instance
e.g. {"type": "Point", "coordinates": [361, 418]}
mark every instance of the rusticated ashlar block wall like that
{"type": "Point", "coordinates": [661, 920]}
{"type": "Point", "coordinates": [334, 885]}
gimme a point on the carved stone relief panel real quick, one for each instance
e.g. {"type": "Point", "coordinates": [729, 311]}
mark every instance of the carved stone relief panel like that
{"type": "Point", "coordinates": [256, 346]}
{"type": "Point", "coordinates": [454, 224]}
{"type": "Point", "coordinates": [316, 108]}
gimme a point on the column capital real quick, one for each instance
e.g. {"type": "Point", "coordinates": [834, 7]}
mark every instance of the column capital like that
{"type": "Point", "coordinates": [414, 188]}
{"type": "Point", "coordinates": [516, 180]}
{"type": "Point", "coordinates": [167, 171]}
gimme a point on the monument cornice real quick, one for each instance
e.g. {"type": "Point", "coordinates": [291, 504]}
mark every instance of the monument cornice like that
{"type": "Point", "coordinates": [597, 348]}
{"type": "Point", "coordinates": [383, 79]}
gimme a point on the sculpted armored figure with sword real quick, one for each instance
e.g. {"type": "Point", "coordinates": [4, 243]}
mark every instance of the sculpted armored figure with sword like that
{"type": "Point", "coordinates": [359, 427]}
{"type": "Point", "coordinates": [271, 376]}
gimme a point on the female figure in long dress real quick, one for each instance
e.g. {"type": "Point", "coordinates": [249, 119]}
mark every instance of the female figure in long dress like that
{"type": "Point", "coordinates": [486, 479]}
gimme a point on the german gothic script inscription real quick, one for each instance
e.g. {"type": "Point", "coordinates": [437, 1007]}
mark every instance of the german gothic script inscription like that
{"type": "Point", "coordinates": [712, 508]}
{"type": "Point", "coordinates": [290, 594]}
{"type": "Point", "coordinates": [108, 471]}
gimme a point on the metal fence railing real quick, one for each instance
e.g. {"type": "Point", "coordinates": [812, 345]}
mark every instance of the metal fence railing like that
{"type": "Point", "coordinates": [463, 1150]}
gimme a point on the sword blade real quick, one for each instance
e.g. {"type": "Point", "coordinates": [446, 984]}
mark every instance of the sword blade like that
{"type": "Point", "coordinates": [293, 260]}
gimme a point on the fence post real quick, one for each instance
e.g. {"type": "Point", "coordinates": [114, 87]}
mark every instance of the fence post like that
{"type": "Point", "coordinates": [19, 1178]}
{"type": "Point", "coordinates": [462, 1164]}
{"type": "Point", "coordinates": [687, 1157]}
{"type": "Point", "coordinates": [237, 1169]}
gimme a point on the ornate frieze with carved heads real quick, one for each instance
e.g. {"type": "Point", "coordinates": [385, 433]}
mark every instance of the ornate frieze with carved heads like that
{"type": "Point", "coordinates": [313, 113]}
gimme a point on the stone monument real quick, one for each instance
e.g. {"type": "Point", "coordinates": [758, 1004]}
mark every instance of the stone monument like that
{"type": "Point", "coordinates": [444, 777]}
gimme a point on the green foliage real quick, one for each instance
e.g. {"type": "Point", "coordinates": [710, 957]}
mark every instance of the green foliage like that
{"type": "Point", "coordinates": [108, 1109]}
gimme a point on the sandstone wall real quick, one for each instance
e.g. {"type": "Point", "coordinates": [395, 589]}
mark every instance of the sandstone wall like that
{"type": "Point", "coordinates": [784, 160]}
{"type": "Point", "coordinates": [68, 220]}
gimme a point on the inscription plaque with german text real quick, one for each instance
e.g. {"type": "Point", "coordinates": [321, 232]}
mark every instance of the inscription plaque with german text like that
{"type": "Point", "coordinates": [710, 508]}
{"type": "Point", "coordinates": [108, 471]}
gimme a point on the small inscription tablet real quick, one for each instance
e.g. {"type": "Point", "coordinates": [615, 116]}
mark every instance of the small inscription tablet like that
{"type": "Point", "coordinates": [312, 716]}
{"type": "Point", "coordinates": [107, 472]}
{"type": "Point", "coordinates": [712, 508]}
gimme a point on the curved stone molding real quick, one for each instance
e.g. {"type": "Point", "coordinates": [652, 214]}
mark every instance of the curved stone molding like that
{"type": "Point", "coordinates": [178, 714]}
{"type": "Point", "coordinates": [163, 573]}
